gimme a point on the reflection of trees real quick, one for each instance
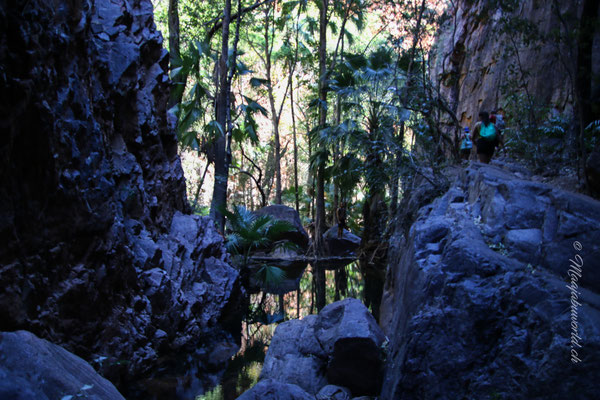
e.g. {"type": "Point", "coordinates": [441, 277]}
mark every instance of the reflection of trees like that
{"type": "Point", "coordinates": [263, 317]}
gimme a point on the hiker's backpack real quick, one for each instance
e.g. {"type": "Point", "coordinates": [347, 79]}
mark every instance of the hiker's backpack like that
{"type": "Point", "coordinates": [488, 132]}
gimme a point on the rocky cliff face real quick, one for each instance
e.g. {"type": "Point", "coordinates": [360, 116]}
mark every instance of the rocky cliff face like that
{"type": "Point", "coordinates": [476, 303]}
{"type": "Point", "coordinates": [98, 252]}
{"type": "Point", "coordinates": [473, 59]}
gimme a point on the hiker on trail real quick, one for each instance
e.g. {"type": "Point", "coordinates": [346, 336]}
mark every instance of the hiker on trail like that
{"type": "Point", "coordinates": [485, 137]}
{"type": "Point", "coordinates": [466, 144]}
{"type": "Point", "coordinates": [500, 125]}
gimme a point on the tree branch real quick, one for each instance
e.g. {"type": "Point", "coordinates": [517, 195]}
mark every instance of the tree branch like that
{"type": "Point", "coordinates": [219, 21]}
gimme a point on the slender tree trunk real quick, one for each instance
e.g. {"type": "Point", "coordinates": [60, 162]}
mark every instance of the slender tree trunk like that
{"type": "Point", "coordinates": [311, 183]}
{"type": "Point", "coordinates": [174, 48]}
{"type": "Point", "coordinates": [321, 286]}
{"type": "Point", "coordinates": [320, 206]}
{"type": "Point", "coordinates": [292, 67]}
{"type": "Point", "coordinates": [175, 51]}
{"type": "Point", "coordinates": [219, 199]}
{"type": "Point", "coordinates": [274, 115]}
{"type": "Point", "coordinates": [341, 278]}
{"type": "Point", "coordinates": [396, 174]}
{"type": "Point", "coordinates": [296, 195]}
{"type": "Point", "coordinates": [338, 120]}
{"type": "Point", "coordinates": [199, 188]}
{"type": "Point", "coordinates": [298, 303]}
{"type": "Point", "coordinates": [282, 304]}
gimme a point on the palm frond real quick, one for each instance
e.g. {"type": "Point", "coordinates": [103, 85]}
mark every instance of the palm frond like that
{"type": "Point", "coordinates": [270, 275]}
{"type": "Point", "coordinates": [277, 227]}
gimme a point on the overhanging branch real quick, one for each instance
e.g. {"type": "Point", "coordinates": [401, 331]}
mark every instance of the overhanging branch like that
{"type": "Point", "coordinates": [219, 20]}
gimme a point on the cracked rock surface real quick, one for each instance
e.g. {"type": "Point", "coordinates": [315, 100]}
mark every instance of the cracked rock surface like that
{"type": "Point", "coordinates": [476, 303]}
{"type": "Point", "coordinates": [99, 251]}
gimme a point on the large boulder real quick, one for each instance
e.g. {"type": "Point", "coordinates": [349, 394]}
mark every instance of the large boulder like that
{"type": "Point", "coordinates": [296, 356]}
{"type": "Point", "coordinates": [288, 214]}
{"type": "Point", "coordinates": [476, 303]}
{"type": "Point", "coordinates": [35, 369]}
{"type": "Point", "coordinates": [340, 346]}
{"type": "Point", "coordinates": [341, 246]}
{"type": "Point", "coordinates": [352, 339]}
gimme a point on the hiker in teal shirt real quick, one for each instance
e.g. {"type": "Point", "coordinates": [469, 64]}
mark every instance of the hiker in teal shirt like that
{"type": "Point", "coordinates": [486, 137]}
{"type": "Point", "coordinates": [466, 145]}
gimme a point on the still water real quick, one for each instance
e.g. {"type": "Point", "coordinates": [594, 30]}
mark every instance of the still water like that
{"type": "Point", "coordinates": [244, 368]}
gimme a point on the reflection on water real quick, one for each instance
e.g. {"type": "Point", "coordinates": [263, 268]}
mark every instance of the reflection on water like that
{"type": "Point", "coordinates": [299, 300]}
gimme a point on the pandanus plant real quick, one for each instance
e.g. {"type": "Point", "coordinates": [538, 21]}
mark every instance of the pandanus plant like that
{"type": "Point", "coordinates": [248, 232]}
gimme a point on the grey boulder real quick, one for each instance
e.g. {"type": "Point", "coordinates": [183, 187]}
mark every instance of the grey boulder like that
{"type": "Point", "coordinates": [33, 368]}
{"type": "Point", "coordinates": [341, 246]}
{"type": "Point", "coordinates": [339, 346]}
{"type": "Point", "coordinates": [352, 339]}
{"type": "Point", "coordinates": [288, 214]}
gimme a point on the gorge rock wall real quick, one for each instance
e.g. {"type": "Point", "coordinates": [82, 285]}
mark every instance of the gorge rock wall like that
{"type": "Point", "coordinates": [98, 251]}
{"type": "Point", "coordinates": [473, 60]}
{"type": "Point", "coordinates": [477, 301]}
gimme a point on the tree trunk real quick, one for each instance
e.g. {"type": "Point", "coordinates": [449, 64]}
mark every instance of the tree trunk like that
{"type": "Point", "coordinates": [174, 51]}
{"type": "Point", "coordinates": [174, 47]}
{"type": "Point", "coordinates": [394, 190]}
{"type": "Point", "coordinates": [320, 286]}
{"type": "Point", "coordinates": [274, 115]}
{"type": "Point", "coordinates": [296, 195]}
{"type": "Point", "coordinates": [298, 303]}
{"type": "Point", "coordinates": [282, 305]}
{"type": "Point", "coordinates": [219, 199]}
{"type": "Point", "coordinates": [320, 206]}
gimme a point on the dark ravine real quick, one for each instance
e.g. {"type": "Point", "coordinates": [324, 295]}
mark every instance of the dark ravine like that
{"type": "Point", "coordinates": [476, 303]}
{"type": "Point", "coordinates": [99, 251]}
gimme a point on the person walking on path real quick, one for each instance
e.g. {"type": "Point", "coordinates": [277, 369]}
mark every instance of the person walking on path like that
{"type": "Point", "coordinates": [466, 144]}
{"type": "Point", "coordinates": [485, 137]}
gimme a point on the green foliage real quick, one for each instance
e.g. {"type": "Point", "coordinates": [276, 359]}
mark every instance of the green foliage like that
{"type": "Point", "coordinates": [270, 275]}
{"type": "Point", "coordinates": [194, 106]}
{"type": "Point", "coordinates": [534, 139]}
{"type": "Point", "coordinates": [248, 231]}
